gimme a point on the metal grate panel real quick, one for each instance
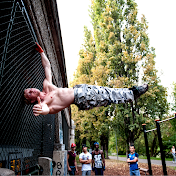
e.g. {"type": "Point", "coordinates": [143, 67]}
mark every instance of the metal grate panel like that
{"type": "Point", "coordinates": [23, 137]}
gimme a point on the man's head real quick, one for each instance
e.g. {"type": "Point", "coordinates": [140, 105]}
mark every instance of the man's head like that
{"type": "Point", "coordinates": [132, 148]}
{"type": "Point", "coordinates": [84, 148]}
{"type": "Point", "coordinates": [31, 95]}
{"type": "Point", "coordinates": [96, 145]}
{"type": "Point", "coordinates": [73, 146]}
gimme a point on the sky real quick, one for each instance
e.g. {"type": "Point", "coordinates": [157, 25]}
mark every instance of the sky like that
{"type": "Point", "coordinates": [160, 14]}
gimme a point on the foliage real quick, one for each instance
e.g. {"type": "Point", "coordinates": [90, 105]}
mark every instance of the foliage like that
{"type": "Point", "coordinates": [118, 54]}
{"type": "Point", "coordinates": [174, 97]}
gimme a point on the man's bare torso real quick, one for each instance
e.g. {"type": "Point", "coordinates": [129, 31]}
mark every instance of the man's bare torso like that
{"type": "Point", "coordinates": [56, 98]}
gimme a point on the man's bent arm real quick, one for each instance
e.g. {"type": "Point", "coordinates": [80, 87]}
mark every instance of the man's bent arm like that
{"type": "Point", "coordinates": [69, 169]}
{"type": "Point", "coordinates": [102, 155]}
{"type": "Point", "coordinates": [132, 161]}
{"type": "Point", "coordinates": [88, 161]}
{"type": "Point", "coordinates": [82, 161]}
{"type": "Point", "coordinates": [76, 165]}
{"type": "Point", "coordinates": [93, 163]}
{"type": "Point", "coordinates": [41, 109]}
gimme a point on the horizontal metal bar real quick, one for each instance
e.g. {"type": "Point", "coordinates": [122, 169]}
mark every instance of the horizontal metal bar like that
{"type": "Point", "coordinates": [167, 119]}
{"type": "Point", "coordinates": [20, 38]}
{"type": "Point", "coordinates": [20, 22]}
{"type": "Point", "coordinates": [19, 28]}
{"type": "Point", "coordinates": [151, 130]}
{"type": "Point", "coordinates": [19, 44]}
{"type": "Point", "coordinates": [9, 15]}
{"type": "Point", "coordinates": [34, 172]}
{"type": "Point", "coordinates": [5, 2]}
{"type": "Point", "coordinates": [7, 8]}
{"type": "Point", "coordinates": [2, 24]}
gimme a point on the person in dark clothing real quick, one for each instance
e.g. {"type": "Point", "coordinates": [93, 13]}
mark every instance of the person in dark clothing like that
{"type": "Point", "coordinates": [71, 160]}
{"type": "Point", "coordinates": [98, 161]}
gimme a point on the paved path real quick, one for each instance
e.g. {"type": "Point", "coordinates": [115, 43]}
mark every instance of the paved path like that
{"type": "Point", "coordinates": [157, 162]}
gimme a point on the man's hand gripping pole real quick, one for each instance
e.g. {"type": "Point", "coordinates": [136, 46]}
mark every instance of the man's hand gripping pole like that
{"type": "Point", "coordinates": [39, 48]}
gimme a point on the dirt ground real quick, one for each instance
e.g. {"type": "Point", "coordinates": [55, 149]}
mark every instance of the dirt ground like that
{"type": "Point", "coordinates": [114, 167]}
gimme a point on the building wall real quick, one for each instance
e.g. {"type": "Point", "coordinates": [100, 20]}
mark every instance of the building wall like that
{"type": "Point", "coordinates": [44, 17]}
{"type": "Point", "coordinates": [23, 135]}
{"type": "Point", "coordinates": [39, 18]}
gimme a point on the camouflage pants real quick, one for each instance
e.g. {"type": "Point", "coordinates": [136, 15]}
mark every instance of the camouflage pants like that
{"type": "Point", "coordinates": [89, 96]}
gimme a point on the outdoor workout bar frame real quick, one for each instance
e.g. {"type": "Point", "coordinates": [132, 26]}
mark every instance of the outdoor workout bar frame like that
{"type": "Point", "coordinates": [160, 143]}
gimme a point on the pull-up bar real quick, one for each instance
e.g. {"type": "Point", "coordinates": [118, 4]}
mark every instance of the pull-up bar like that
{"type": "Point", "coordinates": [151, 130]}
{"type": "Point", "coordinates": [161, 147]}
{"type": "Point", "coordinates": [147, 149]}
{"type": "Point", "coordinates": [160, 143]}
{"type": "Point", "coordinates": [167, 119]}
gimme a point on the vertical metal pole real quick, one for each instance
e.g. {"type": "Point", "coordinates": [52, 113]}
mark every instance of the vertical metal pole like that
{"type": "Point", "coordinates": [116, 145]}
{"type": "Point", "coordinates": [161, 147]}
{"type": "Point", "coordinates": [147, 149]}
{"type": "Point", "coordinates": [41, 150]}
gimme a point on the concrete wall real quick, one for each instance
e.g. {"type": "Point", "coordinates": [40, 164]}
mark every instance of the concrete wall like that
{"type": "Point", "coordinates": [6, 172]}
{"type": "Point", "coordinates": [45, 21]}
{"type": "Point", "coordinates": [72, 133]}
{"type": "Point", "coordinates": [39, 18]}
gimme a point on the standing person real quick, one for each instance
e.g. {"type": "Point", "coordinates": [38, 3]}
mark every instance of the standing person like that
{"type": "Point", "coordinates": [53, 99]}
{"type": "Point", "coordinates": [133, 161]}
{"type": "Point", "coordinates": [98, 161]}
{"type": "Point", "coordinates": [173, 153]}
{"type": "Point", "coordinates": [85, 158]}
{"type": "Point", "coordinates": [71, 160]}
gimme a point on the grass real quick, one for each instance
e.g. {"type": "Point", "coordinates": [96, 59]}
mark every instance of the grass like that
{"type": "Point", "coordinates": [172, 167]}
{"type": "Point", "coordinates": [145, 157]}
{"type": "Point", "coordinates": [154, 158]}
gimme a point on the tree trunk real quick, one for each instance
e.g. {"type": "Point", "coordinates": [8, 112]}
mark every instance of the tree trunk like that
{"type": "Point", "coordinates": [127, 148]}
{"type": "Point", "coordinates": [104, 145]}
{"type": "Point", "coordinates": [106, 148]}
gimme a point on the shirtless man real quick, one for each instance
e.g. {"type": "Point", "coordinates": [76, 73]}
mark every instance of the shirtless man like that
{"type": "Point", "coordinates": [53, 99]}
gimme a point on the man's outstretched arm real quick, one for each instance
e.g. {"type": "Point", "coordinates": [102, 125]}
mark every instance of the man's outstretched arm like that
{"type": "Point", "coordinates": [45, 63]}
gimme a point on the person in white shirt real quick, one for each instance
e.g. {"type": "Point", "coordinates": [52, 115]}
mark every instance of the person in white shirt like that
{"type": "Point", "coordinates": [173, 153]}
{"type": "Point", "coordinates": [85, 158]}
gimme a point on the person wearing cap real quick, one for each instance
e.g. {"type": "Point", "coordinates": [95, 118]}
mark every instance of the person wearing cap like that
{"type": "Point", "coordinates": [98, 161]}
{"type": "Point", "coordinates": [85, 158]}
{"type": "Point", "coordinates": [71, 161]}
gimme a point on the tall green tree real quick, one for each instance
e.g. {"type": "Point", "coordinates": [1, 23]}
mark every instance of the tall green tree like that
{"type": "Point", "coordinates": [123, 45]}
{"type": "Point", "coordinates": [118, 54]}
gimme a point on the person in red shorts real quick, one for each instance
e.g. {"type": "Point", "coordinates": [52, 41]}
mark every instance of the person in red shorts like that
{"type": "Point", "coordinates": [71, 160]}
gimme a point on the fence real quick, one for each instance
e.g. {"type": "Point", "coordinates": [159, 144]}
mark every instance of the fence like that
{"type": "Point", "coordinates": [23, 137]}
